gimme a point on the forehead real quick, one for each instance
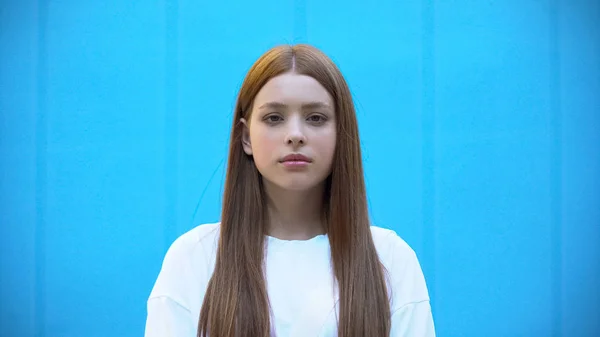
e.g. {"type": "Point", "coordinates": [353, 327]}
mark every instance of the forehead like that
{"type": "Point", "coordinates": [293, 89]}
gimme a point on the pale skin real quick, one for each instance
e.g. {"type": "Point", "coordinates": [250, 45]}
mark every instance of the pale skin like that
{"type": "Point", "coordinates": [292, 114]}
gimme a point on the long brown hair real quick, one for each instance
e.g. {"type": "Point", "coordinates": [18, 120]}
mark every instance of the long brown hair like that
{"type": "Point", "coordinates": [236, 301]}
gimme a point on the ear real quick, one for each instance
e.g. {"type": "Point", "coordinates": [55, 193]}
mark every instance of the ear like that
{"type": "Point", "coordinates": [246, 137]}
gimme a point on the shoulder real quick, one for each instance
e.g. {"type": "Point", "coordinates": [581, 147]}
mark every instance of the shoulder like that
{"type": "Point", "coordinates": [193, 244]}
{"type": "Point", "coordinates": [388, 242]}
{"type": "Point", "coordinates": [393, 251]}
{"type": "Point", "coordinates": [405, 276]}
{"type": "Point", "coordinates": [197, 235]}
{"type": "Point", "coordinates": [188, 263]}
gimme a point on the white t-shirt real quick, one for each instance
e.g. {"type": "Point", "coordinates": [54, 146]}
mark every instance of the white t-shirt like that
{"type": "Point", "coordinates": [299, 284]}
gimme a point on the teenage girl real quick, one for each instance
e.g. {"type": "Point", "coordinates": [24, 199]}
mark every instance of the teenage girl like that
{"type": "Point", "coordinates": [294, 253]}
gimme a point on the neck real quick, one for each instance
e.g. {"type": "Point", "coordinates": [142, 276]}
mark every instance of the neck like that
{"type": "Point", "coordinates": [294, 215]}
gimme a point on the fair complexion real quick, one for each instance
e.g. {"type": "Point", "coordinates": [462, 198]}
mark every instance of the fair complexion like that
{"type": "Point", "coordinates": [292, 114]}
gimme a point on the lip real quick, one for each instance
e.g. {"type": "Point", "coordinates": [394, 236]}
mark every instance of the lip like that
{"type": "Point", "coordinates": [296, 158]}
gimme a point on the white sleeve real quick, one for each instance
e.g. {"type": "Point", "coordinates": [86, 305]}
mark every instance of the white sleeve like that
{"type": "Point", "coordinates": [411, 314]}
{"type": "Point", "coordinates": [413, 320]}
{"type": "Point", "coordinates": [171, 307]}
{"type": "Point", "coordinates": [167, 318]}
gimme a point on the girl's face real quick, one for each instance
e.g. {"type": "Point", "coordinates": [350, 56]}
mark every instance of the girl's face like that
{"type": "Point", "coordinates": [292, 132]}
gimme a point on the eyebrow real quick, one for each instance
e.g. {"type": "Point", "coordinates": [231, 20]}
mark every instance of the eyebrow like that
{"type": "Point", "coordinates": [279, 105]}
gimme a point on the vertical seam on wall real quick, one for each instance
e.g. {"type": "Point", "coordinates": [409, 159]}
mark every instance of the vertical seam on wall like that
{"type": "Point", "coordinates": [300, 21]}
{"type": "Point", "coordinates": [171, 119]}
{"type": "Point", "coordinates": [556, 170]}
{"type": "Point", "coordinates": [41, 140]}
{"type": "Point", "coordinates": [428, 129]}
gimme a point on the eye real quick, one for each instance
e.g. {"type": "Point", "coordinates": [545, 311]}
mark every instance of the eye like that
{"type": "Point", "coordinates": [317, 119]}
{"type": "Point", "coordinates": [272, 119]}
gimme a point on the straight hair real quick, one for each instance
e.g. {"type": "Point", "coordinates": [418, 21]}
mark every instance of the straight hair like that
{"type": "Point", "coordinates": [236, 302]}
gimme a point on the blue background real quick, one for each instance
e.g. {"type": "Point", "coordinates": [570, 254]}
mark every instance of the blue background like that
{"type": "Point", "coordinates": [480, 123]}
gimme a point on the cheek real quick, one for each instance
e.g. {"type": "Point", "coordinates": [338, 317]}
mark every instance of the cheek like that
{"type": "Point", "coordinates": [326, 147]}
{"type": "Point", "coordinates": [264, 146]}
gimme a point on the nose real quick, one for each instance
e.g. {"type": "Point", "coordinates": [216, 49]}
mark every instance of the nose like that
{"type": "Point", "coordinates": [295, 133]}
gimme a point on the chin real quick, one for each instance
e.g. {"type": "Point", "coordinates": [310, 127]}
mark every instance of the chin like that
{"type": "Point", "coordinates": [296, 185]}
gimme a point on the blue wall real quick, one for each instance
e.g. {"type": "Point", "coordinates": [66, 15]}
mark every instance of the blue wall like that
{"type": "Point", "coordinates": [480, 122]}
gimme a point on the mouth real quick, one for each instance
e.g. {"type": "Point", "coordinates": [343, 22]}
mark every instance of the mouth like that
{"type": "Point", "coordinates": [295, 158]}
